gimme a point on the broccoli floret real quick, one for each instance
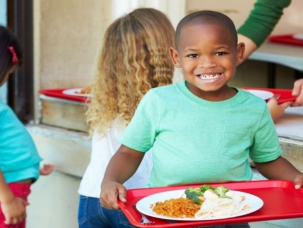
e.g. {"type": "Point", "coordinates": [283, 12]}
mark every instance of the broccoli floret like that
{"type": "Point", "coordinates": [221, 191]}
{"type": "Point", "coordinates": [205, 187]}
{"type": "Point", "coordinates": [194, 194]}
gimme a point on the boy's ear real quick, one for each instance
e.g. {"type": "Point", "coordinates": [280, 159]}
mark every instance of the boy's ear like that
{"type": "Point", "coordinates": [175, 57]}
{"type": "Point", "coordinates": [240, 53]}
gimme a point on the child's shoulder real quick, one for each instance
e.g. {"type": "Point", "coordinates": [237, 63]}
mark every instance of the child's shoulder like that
{"type": "Point", "coordinates": [164, 90]}
{"type": "Point", "coordinates": [3, 107]}
{"type": "Point", "coordinates": [162, 94]}
{"type": "Point", "coordinates": [6, 112]}
{"type": "Point", "coordinates": [252, 97]}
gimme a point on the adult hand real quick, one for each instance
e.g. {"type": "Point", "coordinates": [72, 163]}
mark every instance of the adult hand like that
{"type": "Point", "coordinates": [298, 91]}
{"type": "Point", "coordinates": [14, 211]}
{"type": "Point", "coordinates": [275, 109]}
{"type": "Point", "coordinates": [110, 193]}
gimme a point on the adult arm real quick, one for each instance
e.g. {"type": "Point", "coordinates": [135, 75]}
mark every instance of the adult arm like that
{"type": "Point", "coordinates": [250, 46]}
{"type": "Point", "coordinates": [260, 23]}
{"type": "Point", "coordinates": [258, 26]}
{"type": "Point", "coordinates": [121, 167]}
{"type": "Point", "coordinates": [12, 207]}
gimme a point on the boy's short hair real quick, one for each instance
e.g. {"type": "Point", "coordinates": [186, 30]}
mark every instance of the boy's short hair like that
{"type": "Point", "coordinates": [207, 17]}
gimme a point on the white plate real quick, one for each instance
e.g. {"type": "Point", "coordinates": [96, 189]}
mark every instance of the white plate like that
{"type": "Point", "coordinates": [265, 95]}
{"type": "Point", "coordinates": [143, 205]}
{"type": "Point", "coordinates": [75, 92]}
{"type": "Point", "coordinates": [298, 36]}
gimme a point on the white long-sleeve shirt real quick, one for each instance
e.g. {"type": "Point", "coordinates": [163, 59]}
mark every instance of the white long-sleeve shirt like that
{"type": "Point", "coordinates": [103, 148]}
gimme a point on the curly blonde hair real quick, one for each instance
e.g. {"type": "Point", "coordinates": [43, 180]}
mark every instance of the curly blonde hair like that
{"type": "Point", "coordinates": [134, 58]}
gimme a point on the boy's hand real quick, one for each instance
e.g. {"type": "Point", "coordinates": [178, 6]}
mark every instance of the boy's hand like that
{"type": "Point", "coordinates": [298, 181]}
{"type": "Point", "coordinates": [46, 169]}
{"type": "Point", "coordinates": [110, 193]}
{"type": "Point", "coordinates": [14, 211]}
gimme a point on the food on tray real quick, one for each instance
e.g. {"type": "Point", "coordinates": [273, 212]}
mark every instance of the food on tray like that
{"type": "Point", "coordinates": [176, 208]}
{"type": "Point", "coordinates": [217, 206]}
{"type": "Point", "coordinates": [85, 90]}
{"type": "Point", "coordinates": [203, 202]}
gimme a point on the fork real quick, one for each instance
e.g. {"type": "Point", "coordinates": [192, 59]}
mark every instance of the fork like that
{"type": "Point", "coordinates": [277, 96]}
{"type": "Point", "coordinates": [146, 221]}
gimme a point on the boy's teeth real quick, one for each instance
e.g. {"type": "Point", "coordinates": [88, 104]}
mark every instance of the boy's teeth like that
{"type": "Point", "coordinates": [207, 76]}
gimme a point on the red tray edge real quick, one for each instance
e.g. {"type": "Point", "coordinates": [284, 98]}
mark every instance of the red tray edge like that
{"type": "Point", "coordinates": [57, 93]}
{"type": "Point", "coordinates": [281, 99]}
{"type": "Point", "coordinates": [285, 39]}
{"type": "Point", "coordinates": [263, 183]}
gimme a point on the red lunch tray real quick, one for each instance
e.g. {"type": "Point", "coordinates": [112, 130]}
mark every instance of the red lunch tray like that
{"type": "Point", "coordinates": [285, 39]}
{"type": "Point", "coordinates": [281, 201]}
{"type": "Point", "coordinates": [284, 95]}
{"type": "Point", "coordinates": [58, 93]}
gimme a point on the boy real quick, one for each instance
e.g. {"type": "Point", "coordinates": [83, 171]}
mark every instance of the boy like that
{"type": "Point", "coordinates": [201, 130]}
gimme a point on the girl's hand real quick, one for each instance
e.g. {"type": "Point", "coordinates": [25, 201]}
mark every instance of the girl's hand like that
{"type": "Point", "coordinates": [298, 181]}
{"type": "Point", "coordinates": [275, 109]}
{"type": "Point", "coordinates": [298, 91]}
{"type": "Point", "coordinates": [110, 193]}
{"type": "Point", "coordinates": [46, 169]}
{"type": "Point", "coordinates": [14, 211]}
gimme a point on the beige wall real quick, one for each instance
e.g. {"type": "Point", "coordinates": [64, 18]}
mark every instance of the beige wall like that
{"type": "Point", "coordinates": [69, 37]}
{"type": "Point", "coordinates": [238, 10]}
{"type": "Point", "coordinates": [292, 20]}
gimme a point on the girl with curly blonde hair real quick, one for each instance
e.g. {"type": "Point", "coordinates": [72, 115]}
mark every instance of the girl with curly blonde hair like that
{"type": "Point", "coordinates": [134, 58]}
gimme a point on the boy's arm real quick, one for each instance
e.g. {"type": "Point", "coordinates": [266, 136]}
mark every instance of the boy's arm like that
{"type": "Point", "coordinates": [12, 207]}
{"type": "Point", "coordinates": [280, 169]}
{"type": "Point", "coordinates": [120, 168]}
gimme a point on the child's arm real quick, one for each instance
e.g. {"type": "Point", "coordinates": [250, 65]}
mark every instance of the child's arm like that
{"type": "Point", "coordinates": [46, 169]}
{"type": "Point", "coordinates": [280, 169]}
{"type": "Point", "coordinates": [121, 167]}
{"type": "Point", "coordinates": [276, 110]}
{"type": "Point", "coordinates": [12, 207]}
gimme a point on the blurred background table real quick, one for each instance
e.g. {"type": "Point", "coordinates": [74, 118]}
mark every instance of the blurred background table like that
{"type": "Point", "coordinates": [283, 54]}
{"type": "Point", "coordinates": [290, 131]}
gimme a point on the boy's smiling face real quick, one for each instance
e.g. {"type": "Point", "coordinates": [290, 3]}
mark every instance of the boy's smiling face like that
{"type": "Point", "coordinates": [208, 57]}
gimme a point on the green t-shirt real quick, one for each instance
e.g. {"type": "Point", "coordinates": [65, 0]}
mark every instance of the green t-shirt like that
{"type": "Point", "coordinates": [198, 141]}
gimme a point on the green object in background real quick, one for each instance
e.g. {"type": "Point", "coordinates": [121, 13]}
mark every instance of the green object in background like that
{"type": "Point", "coordinates": [262, 19]}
